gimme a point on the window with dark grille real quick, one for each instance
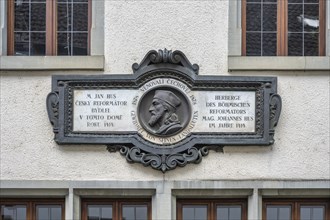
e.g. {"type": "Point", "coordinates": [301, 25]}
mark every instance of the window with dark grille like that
{"type": "Point", "coordinates": [283, 27]}
{"type": "Point", "coordinates": [48, 27]}
{"type": "Point", "coordinates": [296, 209]}
{"type": "Point", "coordinates": [111, 209]}
{"type": "Point", "coordinates": [211, 209]}
{"type": "Point", "coordinates": [32, 209]}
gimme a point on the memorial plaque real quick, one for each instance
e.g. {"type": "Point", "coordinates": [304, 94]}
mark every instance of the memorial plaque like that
{"type": "Point", "coordinates": [164, 114]}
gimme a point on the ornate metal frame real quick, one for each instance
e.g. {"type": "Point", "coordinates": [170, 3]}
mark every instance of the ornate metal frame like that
{"type": "Point", "coordinates": [164, 64]}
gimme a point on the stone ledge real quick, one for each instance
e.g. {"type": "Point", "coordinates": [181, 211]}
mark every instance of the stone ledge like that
{"type": "Point", "coordinates": [176, 184]}
{"type": "Point", "coordinates": [51, 62]}
{"type": "Point", "coordinates": [240, 63]}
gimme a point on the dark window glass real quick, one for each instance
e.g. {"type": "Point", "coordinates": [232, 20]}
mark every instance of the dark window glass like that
{"type": "Point", "coordinates": [30, 27]}
{"type": "Point", "coordinates": [49, 212]}
{"type": "Point", "coordinates": [38, 46]}
{"type": "Point", "coordinates": [72, 43]}
{"type": "Point", "coordinates": [253, 17]}
{"type": "Point", "coordinates": [295, 42]}
{"type": "Point", "coordinates": [109, 209]}
{"type": "Point", "coordinates": [296, 209]}
{"type": "Point", "coordinates": [38, 17]}
{"type": "Point", "coordinates": [64, 44]}
{"type": "Point", "coordinates": [64, 17]}
{"type": "Point", "coordinates": [229, 213]}
{"type": "Point", "coordinates": [99, 212]}
{"type": "Point", "coordinates": [13, 212]}
{"type": "Point", "coordinates": [311, 1]}
{"type": "Point", "coordinates": [78, 1]}
{"type": "Point", "coordinates": [275, 212]}
{"type": "Point", "coordinates": [303, 28]}
{"type": "Point", "coordinates": [294, 13]}
{"type": "Point", "coordinates": [194, 212]}
{"type": "Point", "coordinates": [135, 212]}
{"type": "Point", "coordinates": [32, 209]}
{"type": "Point", "coordinates": [217, 209]}
{"type": "Point", "coordinates": [261, 29]}
{"type": "Point", "coordinates": [269, 44]}
{"type": "Point", "coordinates": [312, 213]}
{"type": "Point", "coordinates": [311, 18]}
{"type": "Point", "coordinates": [80, 43]}
{"type": "Point", "coordinates": [72, 30]}
{"type": "Point", "coordinates": [269, 17]}
{"type": "Point", "coordinates": [22, 44]}
{"type": "Point", "coordinates": [253, 44]}
{"type": "Point", "coordinates": [22, 17]}
{"type": "Point", "coordinates": [311, 44]}
{"type": "Point", "coordinates": [80, 20]}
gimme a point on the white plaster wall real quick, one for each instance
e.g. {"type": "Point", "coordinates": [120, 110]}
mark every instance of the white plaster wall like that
{"type": "Point", "coordinates": [200, 30]}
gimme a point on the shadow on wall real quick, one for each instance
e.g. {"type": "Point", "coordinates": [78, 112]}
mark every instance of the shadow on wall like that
{"type": "Point", "coordinates": [247, 149]}
{"type": "Point", "coordinates": [82, 148]}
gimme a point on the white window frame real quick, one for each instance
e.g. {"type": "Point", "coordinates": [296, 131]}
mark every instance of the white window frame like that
{"type": "Point", "coordinates": [94, 61]}
{"type": "Point", "coordinates": [236, 62]}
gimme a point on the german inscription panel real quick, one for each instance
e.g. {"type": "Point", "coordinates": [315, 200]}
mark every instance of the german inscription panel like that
{"type": "Point", "coordinates": [102, 110]}
{"type": "Point", "coordinates": [228, 111]}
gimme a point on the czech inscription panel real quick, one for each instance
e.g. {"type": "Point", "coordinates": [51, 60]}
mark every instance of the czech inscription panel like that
{"type": "Point", "coordinates": [102, 110]}
{"type": "Point", "coordinates": [165, 114]}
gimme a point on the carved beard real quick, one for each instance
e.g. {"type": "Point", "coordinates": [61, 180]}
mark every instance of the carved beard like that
{"type": "Point", "coordinates": [155, 118]}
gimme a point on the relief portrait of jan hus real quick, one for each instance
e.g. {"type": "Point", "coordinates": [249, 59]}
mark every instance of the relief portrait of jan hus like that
{"type": "Point", "coordinates": [162, 110]}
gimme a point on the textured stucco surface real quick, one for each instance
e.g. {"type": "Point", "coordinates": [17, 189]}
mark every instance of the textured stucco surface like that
{"type": "Point", "coordinates": [200, 30]}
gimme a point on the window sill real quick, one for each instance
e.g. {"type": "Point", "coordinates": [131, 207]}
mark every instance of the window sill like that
{"type": "Point", "coordinates": [239, 63]}
{"type": "Point", "coordinates": [51, 62]}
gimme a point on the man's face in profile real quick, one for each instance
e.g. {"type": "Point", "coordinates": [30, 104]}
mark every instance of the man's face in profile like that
{"type": "Point", "coordinates": [157, 110]}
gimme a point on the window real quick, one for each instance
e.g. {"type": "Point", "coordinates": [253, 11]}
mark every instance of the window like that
{"type": "Point", "coordinates": [211, 210]}
{"type": "Point", "coordinates": [27, 209]}
{"type": "Point", "coordinates": [106, 209]}
{"type": "Point", "coordinates": [283, 27]}
{"type": "Point", "coordinates": [303, 209]}
{"type": "Point", "coordinates": [49, 27]}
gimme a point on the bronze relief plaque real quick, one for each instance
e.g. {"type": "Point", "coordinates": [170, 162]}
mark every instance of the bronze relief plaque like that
{"type": "Point", "coordinates": [164, 111]}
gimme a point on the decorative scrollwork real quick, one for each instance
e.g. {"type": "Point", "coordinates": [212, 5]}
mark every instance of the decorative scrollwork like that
{"type": "Point", "coordinates": [193, 155]}
{"type": "Point", "coordinates": [275, 109]}
{"type": "Point", "coordinates": [160, 162]}
{"type": "Point", "coordinates": [275, 106]}
{"type": "Point", "coordinates": [165, 56]}
{"type": "Point", "coordinates": [52, 102]}
{"type": "Point", "coordinates": [114, 148]}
